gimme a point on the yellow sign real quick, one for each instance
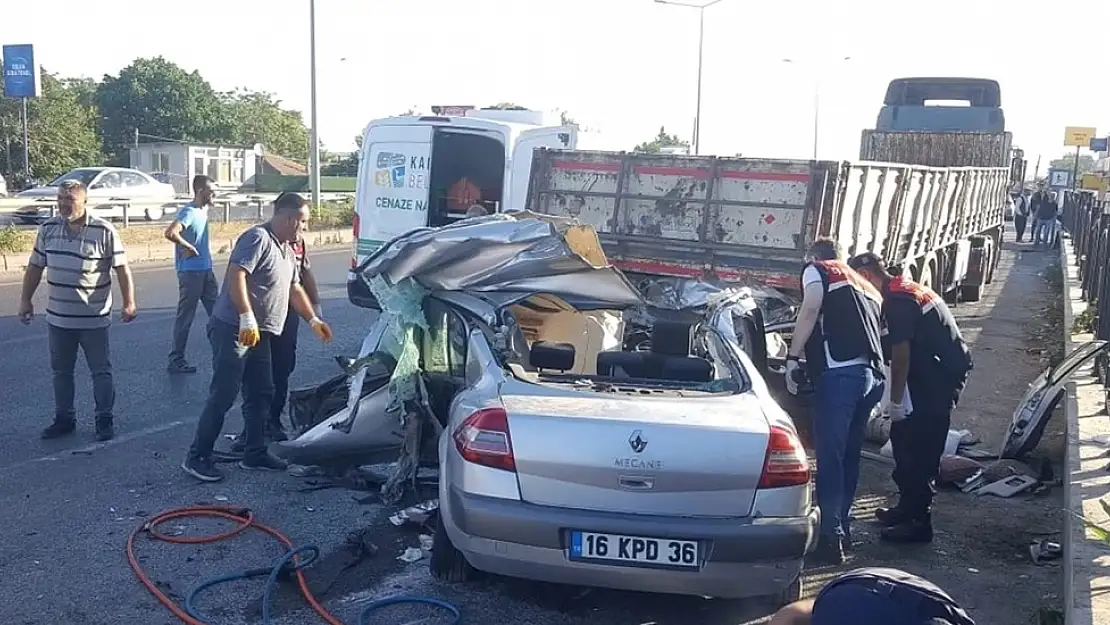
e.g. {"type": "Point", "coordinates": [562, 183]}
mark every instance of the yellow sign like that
{"type": "Point", "coordinates": [1094, 182]}
{"type": "Point", "coordinates": [1078, 136]}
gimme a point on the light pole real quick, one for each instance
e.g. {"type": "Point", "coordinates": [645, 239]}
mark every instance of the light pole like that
{"type": "Point", "coordinates": [816, 103]}
{"type": "Point", "coordinates": [314, 134]}
{"type": "Point", "coordinates": [701, 41]}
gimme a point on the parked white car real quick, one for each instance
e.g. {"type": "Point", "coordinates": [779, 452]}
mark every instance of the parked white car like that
{"type": "Point", "coordinates": [110, 189]}
{"type": "Point", "coordinates": [3, 187]}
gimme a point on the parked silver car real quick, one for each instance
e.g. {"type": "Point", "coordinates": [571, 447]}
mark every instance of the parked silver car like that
{"type": "Point", "coordinates": [563, 457]}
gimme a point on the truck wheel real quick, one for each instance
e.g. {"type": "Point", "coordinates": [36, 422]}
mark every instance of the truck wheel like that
{"type": "Point", "coordinates": [971, 292]}
{"type": "Point", "coordinates": [447, 563]}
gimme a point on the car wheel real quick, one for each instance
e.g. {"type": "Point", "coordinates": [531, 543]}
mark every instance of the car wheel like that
{"type": "Point", "coordinates": [792, 593]}
{"type": "Point", "coordinates": [447, 563]}
{"type": "Point", "coordinates": [149, 213]}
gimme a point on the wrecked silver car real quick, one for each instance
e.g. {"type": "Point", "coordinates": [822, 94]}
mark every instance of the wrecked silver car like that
{"type": "Point", "coordinates": [567, 444]}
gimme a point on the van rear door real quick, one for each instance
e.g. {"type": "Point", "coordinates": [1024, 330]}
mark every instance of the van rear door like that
{"type": "Point", "coordinates": [557, 138]}
{"type": "Point", "coordinates": [392, 193]}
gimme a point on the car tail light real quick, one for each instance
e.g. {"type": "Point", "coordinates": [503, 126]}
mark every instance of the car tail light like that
{"type": "Point", "coordinates": [483, 438]}
{"type": "Point", "coordinates": [786, 463]}
{"type": "Point", "coordinates": [354, 242]}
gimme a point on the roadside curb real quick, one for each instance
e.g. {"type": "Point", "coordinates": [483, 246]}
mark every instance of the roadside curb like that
{"type": "Point", "coordinates": [1085, 560]}
{"type": "Point", "coordinates": [154, 253]}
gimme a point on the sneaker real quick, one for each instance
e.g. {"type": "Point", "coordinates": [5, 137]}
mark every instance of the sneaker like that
{"type": "Point", "coordinates": [58, 429]}
{"type": "Point", "coordinates": [181, 367]}
{"type": "Point", "coordinates": [889, 517]}
{"type": "Point", "coordinates": [829, 552]}
{"type": "Point", "coordinates": [203, 469]}
{"type": "Point", "coordinates": [105, 431]}
{"type": "Point", "coordinates": [909, 532]}
{"type": "Point", "coordinates": [265, 462]}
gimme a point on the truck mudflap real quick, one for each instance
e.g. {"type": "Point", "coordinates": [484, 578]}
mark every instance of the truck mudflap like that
{"type": "Point", "coordinates": [978, 269]}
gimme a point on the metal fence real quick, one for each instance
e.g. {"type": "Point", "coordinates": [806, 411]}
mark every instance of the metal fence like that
{"type": "Point", "coordinates": [1087, 220]}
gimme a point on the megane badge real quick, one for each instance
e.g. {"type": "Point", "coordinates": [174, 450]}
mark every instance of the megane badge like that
{"type": "Point", "coordinates": [637, 441]}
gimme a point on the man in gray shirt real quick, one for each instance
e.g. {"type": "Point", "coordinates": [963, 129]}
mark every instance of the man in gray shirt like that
{"type": "Point", "coordinates": [260, 286]}
{"type": "Point", "coordinates": [80, 252]}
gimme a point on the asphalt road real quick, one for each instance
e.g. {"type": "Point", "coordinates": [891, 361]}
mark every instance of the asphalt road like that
{"type": "Point", "coordinates": [66, 507]}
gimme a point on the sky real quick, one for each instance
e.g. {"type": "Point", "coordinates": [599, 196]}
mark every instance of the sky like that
{"type": "Point", "coordinates": [623, 68]}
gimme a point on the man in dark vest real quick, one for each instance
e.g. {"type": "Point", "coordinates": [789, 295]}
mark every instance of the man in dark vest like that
{"type": "Point", "coordinates": [876, 596]}
{"type": "Point", "coordinates": [929, 365]}
{"type": "Point", "coordinates": [838, 331]}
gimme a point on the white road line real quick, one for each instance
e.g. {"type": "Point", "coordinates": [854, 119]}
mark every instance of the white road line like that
{"type": "Point", "coordinates": [89, 449]}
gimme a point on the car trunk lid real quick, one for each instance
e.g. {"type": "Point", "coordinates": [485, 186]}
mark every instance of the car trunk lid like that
{"type": "Point", "coordinates": [659, 455]}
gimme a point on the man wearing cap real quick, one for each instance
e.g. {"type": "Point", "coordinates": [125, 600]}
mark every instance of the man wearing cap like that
{"type": "Point", "coordinates": [876, 596]}
{"type": "Point", "coordinates": [838, 330]}
{"type": "Point", "coordinates": [929, 365]}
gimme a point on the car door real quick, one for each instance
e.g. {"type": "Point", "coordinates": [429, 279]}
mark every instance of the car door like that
{"type": "Point", "coordinates": [519, 168]}
{"type": "Point", "coordinates": [1045, 392]}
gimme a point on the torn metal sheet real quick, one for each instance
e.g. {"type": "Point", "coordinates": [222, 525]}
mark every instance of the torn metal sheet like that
{"type": "Point", "coordinates": [507, 253]}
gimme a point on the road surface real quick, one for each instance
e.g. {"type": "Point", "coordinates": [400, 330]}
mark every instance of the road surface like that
{"type": "Point", "coordinates": [67, 506]}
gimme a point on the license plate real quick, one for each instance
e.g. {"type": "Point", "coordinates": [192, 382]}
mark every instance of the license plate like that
{"type": "Point", "coordinates": [634, 550]}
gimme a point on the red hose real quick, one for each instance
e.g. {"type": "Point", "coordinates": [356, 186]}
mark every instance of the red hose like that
{"type": "Point", "coordinates": [243, 520]}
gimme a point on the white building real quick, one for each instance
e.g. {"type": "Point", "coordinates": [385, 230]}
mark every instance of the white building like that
{"type": "Point", "coordinates": [230, 167]}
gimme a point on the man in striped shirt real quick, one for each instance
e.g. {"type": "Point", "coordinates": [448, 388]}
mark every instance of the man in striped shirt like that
{"type": "Point", "coordinates": [79, 251]}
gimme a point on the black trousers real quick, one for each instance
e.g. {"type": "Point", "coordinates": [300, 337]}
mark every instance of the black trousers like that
{"type": "Point", "coordinates": [918, 444]}
{"type": "Point", "coordinates": [1020, 222]}
{"type": "Point", "coordinates": [283, 352]}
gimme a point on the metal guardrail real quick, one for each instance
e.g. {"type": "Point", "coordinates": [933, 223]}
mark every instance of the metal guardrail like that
{"type": "Point", "coordinates": [228, 208]}
{"type": "Point", "coordinates": [1088, 221]}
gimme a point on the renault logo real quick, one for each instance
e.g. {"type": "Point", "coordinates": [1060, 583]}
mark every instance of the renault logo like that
{"type": "Point", "coordinates": [637, 441]}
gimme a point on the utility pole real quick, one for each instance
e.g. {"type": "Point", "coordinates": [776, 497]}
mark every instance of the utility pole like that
{"type": "Point", "coordinates": [314, 135]}
{"type": "Point", "coordinates": [26, 146]}
{"type": "Point", "coordinates": [701, 49]}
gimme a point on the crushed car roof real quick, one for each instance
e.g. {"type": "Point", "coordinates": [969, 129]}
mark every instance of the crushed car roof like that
{"type": "Point", "coordinates": [516, 252]}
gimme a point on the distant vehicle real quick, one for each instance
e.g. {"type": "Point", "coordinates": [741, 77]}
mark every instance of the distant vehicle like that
{"type": "Point", "coordinates": [3, 187]}
{"type": "Point", "coordinates": [110, 188]}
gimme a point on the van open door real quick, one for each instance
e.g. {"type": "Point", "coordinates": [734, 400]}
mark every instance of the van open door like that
{"type": "Point", "coordinates": [561, 138]}
{"type": "Point", "coordinates": [393, 178]}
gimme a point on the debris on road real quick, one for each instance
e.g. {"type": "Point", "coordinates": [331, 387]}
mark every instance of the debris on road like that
{"type": "Point", "coordinates": [1043, 550]}
{"type": "Point", "coordinates": [410, 555]}
{"type": "Point", "coordinates": [417, 514]}
{"type": "Point", "coordinates": [1008, 487]}
{"type": "Point", "coordinates": [301, 470]}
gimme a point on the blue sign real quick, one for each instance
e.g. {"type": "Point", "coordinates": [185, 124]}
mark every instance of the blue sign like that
{"type": "Point", "coordinates": [1059, 178]}
{"type": "Point", "coordinates": [21, 73]}
{"type": "Point", "coordinates": [1100, 145]}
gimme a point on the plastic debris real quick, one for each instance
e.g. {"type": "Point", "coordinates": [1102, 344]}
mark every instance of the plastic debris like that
{"type": "Point", "coordinates": [1043, 550]}
{"type": "Point", "coordinates": [300, 470]}
{"type": "Point", "coordinates": [426, 542]}
{"type": "Point", "coordinates": [1008, 487]}
{"type": "Point", "coordinates": [221, 498]}
{"type": "Point", "coordinates": [417, 514]}
{"type": "Point", "coordinates": [412, 554]}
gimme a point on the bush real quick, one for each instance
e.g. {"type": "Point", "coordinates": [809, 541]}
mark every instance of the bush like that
{"type": "Point", "coordinates": [337, 214]}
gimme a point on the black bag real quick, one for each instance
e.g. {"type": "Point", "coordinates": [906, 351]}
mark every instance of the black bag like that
{"type": "Point", "coordinates": [932, 602]}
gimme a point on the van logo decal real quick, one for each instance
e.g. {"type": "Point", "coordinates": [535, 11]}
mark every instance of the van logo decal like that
{"type": "Point", "coordinates": [391, 170]}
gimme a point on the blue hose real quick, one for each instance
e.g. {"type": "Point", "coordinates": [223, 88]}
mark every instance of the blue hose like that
{"type": "Point", "coordinates": [293, 561]}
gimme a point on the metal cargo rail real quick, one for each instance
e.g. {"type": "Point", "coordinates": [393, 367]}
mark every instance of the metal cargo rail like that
{"type": "Point", "coordinates": [751, 220]}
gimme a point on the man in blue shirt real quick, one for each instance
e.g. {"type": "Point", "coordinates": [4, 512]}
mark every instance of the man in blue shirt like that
{"type": "Point", "coordinates": [193, 260]}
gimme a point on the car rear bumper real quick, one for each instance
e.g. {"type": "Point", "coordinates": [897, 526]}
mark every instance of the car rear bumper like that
{"type": "Point", "coordinates": [745, 557]}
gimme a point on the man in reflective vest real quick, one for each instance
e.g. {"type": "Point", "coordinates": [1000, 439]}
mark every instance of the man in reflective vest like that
{"type": "Point", "coordinates": [838, 331]}
{"type": "Point", "coordinates": [929, 364]}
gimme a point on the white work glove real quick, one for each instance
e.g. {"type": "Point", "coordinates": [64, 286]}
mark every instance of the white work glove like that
{"type": "Point", "coordinates": [791, 385]}
{"type": "Point", "coordinates": [896, 412]}
{"type": "Point", "coordinates": [249, 336]}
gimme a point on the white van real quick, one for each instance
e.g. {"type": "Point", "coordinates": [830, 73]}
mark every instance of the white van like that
{"type": "Point", "coordinates": [411, 167]}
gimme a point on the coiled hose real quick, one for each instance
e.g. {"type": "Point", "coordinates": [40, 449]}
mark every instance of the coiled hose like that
{"type": "Point", "coordinates": [292, 563]}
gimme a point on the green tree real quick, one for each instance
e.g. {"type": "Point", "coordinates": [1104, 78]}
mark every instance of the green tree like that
{"type": "Point", "coordinates": [158, 98]}
{"type": "Point", "coordinates": [257, 117]}
{"type": "Point", "coordinates": [62, 130]}
{"type": "Point", "coordinates": [345, 166]}
{"type": "Point", "coordinates": [662, 140]}
{"type": "Point", "coordinates": [508, 106]}
{"type": "Point", "coordinates": [1086, 163]}
{"type": "Point", "coordinates": [565, 119]}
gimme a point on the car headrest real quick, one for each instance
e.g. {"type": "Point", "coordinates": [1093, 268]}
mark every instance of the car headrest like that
{"type": "Point", "coordinates": [670, 338]}
{"type": "Point", "coordinates": [554, 356]}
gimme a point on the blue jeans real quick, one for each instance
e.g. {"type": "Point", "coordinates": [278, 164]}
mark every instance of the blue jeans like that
{"type": "Point", "coordinates": [1043, 229]}
{"type": "Point", "coordinates": [845, 398]}
{"type": "Point", "coordinates": [233, 369]}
